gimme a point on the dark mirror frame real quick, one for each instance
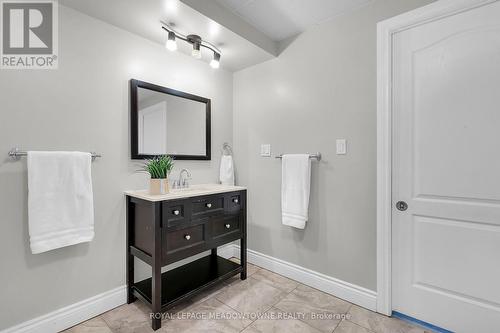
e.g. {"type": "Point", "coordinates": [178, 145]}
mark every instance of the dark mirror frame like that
{"type": "Point", "coordinates": [134, 113]}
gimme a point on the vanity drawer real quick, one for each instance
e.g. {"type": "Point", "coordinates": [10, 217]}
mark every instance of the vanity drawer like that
{"type": "Point", "coordinates": [207, 206]}
{"type": "Point", "coordinates": [226, 227]}
{"type": "Point", "coordinates": [185, 239]}
{"type": "Point", "coordinates": [234, 202]}
{"type": "Point", "coordinates": [175, 213]}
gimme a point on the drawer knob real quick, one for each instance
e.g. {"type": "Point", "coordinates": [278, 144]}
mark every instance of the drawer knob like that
{"type": "Point", "coordinates": [209, 205]}
{"type": "Point", "coordinates": [187, 237]}
{"type": "Point", "coordinates": [235, 200]}
{"type": "Point", "coordinates": [176, 212]}
{"type": "Point", "coordinates": [228, 226]}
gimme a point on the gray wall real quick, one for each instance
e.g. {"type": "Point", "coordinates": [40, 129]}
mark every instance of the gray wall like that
{"type": "Point", "coordinates": [84, 106]}
{"type": "Point", "coordinates": [322, 87]}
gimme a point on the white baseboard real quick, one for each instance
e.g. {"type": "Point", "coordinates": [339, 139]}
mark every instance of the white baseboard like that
{"type": "Point", "coordinates": [76, 313]}
{"type": "Point", "coordinates": [226, 251]}
{"type": "Point", "coordinates": [345, 290]}
{"type": "Point", "coordinates": [73, 314]}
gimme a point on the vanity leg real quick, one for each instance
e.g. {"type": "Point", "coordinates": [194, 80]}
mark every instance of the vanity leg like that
{"type": "Point", "coordinates": [130, 258]}
{"type": "Point", "coordinates": [243, 258]}
{"type": "Point", "coordinates": [243, 240]}
{"type": "Point", "coordinates": [130, 278]}
{"type": "Point", "coordinates": [156, 269]}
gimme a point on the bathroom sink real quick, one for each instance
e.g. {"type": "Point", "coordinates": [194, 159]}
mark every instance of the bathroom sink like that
{"type": "Point", "coordinates": [196, 188]}
{"type": "Point", "coordinates": [183, 190]}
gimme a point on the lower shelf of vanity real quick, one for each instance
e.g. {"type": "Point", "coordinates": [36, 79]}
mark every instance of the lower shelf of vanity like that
{"type": "Point", "coordinates": [188, 280]}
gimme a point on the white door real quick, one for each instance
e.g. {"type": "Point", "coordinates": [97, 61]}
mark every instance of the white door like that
{"type": "Point", "coordinates": [446, 168]}
{"type": "Point", "coordinates": [153, 129]}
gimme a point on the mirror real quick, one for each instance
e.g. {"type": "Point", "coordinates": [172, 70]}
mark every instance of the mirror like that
{"type": "Point", "coordinates": [168, 121]}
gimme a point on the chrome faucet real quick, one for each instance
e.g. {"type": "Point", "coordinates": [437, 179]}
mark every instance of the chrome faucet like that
{"type": "Point", "coordinates": [183, 181]}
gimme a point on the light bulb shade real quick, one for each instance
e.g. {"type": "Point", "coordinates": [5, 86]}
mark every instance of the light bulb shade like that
{"type": "Point", "coordinates": [171, 43]}
{"type": "Point", "coordinates": [215, 62]}
{"type": "Point", "coordinates": [196, 51]}
{"type": "Point", "coordinates": [196, 54]}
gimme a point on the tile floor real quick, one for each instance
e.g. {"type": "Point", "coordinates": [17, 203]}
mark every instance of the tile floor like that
{"type": "Point", "coordinates": [287, 306]}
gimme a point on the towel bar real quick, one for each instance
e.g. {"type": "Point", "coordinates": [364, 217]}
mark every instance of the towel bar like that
{"type": "Point", "coordinates": [16, 154]}
{"type": "Point", "coordinates": [316, 156]}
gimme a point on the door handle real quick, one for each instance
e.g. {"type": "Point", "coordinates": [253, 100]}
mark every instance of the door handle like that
{"type": "Point", "coordinates": [401, 205]}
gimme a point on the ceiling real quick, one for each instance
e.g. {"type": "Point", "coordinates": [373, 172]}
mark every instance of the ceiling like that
{"type": "Point", "coordinates": [247, 32]}
{"type": "Point", "coordinates": [143, 17]}
{"type": "Point", "coordinates": [281, 19]}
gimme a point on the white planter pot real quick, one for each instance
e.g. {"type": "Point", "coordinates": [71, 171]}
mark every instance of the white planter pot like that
{"type": "Point", "coordinates": [158, 186]}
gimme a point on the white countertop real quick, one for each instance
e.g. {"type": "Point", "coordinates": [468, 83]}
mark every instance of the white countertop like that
{"type": "Point", "coordinates": [191, 191]}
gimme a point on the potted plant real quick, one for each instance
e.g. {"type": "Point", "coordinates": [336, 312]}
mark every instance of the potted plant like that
{"type": "Point", "coordinates": [159, 168]}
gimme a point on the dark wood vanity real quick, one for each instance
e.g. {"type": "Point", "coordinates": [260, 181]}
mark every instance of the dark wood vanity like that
{"type": "Point", "coordinates": [165, 229]}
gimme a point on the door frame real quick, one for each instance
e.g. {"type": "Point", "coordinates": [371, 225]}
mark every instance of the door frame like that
{"type": "Point", "coordinates": [385, 32]}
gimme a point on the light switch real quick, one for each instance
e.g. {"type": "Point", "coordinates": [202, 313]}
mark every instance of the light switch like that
{"type": "Point", "coordinates": [341, 147]}
{"type": "Point", "coordinates": [265, 150]}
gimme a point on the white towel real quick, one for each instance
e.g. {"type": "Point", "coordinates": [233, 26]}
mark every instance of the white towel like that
{"type": "Point", "coordinates": [226, 174]}
{"type": "Point", "coordinates": [295, 187]}
{"type": "Point", "coordinates": [60, 200]}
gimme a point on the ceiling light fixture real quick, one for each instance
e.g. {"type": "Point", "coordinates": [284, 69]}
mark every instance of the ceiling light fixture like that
{"type": "Point", "coordinates": [196, 41]}
{"type": "Point", "coordinates": [171, 44]}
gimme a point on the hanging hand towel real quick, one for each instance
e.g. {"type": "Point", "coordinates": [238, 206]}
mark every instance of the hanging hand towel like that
{"type": "Point", "coordinates": [60, 199]}
{"type": "Point", "coordinates": [226, 175]}
{"type": "Point", "coordinates": [295, 187]}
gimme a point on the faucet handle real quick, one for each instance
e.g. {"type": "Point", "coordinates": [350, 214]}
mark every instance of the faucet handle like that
{"type": "Point", "coordinates": [185, 183]}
